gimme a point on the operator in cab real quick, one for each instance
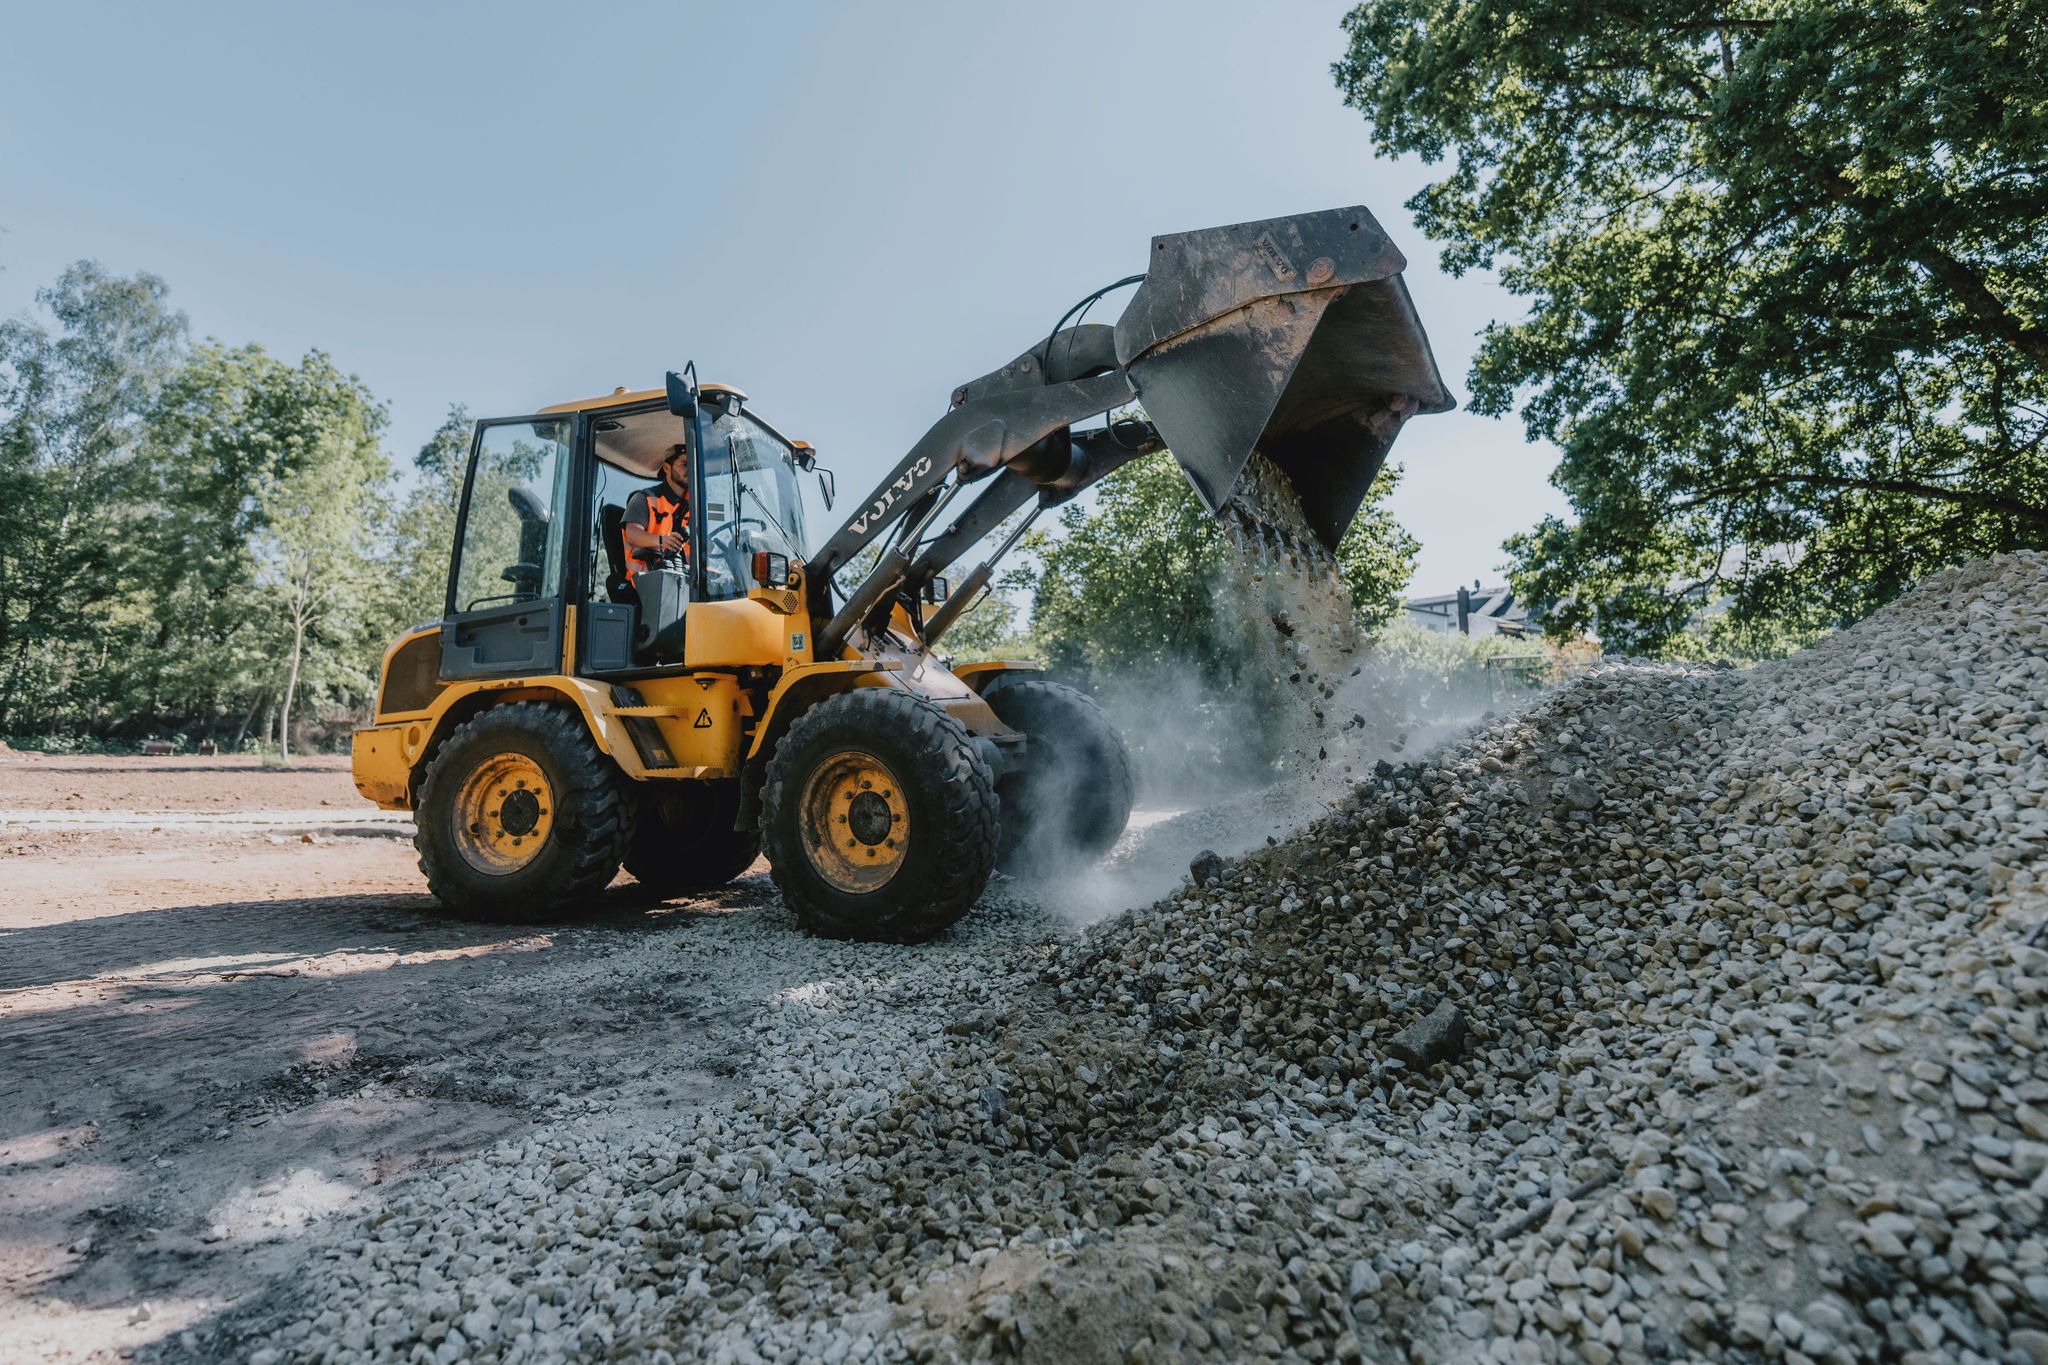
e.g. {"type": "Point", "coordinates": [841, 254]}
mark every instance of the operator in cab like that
{"type": "Point", "coordinates": [658, 518]}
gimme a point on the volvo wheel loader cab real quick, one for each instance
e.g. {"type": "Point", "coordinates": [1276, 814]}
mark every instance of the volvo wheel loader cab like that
{"type": "Point", "coordinates": [595, 696]}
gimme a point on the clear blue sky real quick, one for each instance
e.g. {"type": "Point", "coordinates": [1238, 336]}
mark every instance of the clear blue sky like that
{"type": "Point", "coordinates": [845, 210]}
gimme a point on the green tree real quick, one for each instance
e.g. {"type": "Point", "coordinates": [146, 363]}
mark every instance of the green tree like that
{"type": "Point", "coordinates": [1130, 586]}
{"type": "Point", "coordinates": [233, 426]}
{"type": "Point", "coordinates": [1785, 264]}
{"type": "Point", "coordinates": [323, 518]}
{"type": "Point", "coordinates": [1127, 586]}
{"type": "Point", "coordinates": [426, 522]}
{"type": "Point", "coordinates": [1144, 599]}
{"type": "Point", "coordinates": [75, 387]}
{"type": "Point", "coordinates": [1377, 555]}
{"type": "Point", "coordinates": [987, 630]}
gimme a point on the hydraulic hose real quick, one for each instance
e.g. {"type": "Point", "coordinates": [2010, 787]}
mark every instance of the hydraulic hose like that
{"type": "Point", "coordinates": [964, 597]}
{"type": "Point", "coordinates": [887, 573]}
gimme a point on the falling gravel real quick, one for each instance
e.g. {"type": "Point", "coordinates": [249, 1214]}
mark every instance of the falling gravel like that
{"type": "Point", "coordinates": [1731, 1047]}
{"type": "Point", "coordinates": [1295, 628]}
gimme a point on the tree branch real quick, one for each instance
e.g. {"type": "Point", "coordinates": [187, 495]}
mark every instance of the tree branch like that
{"type": "Point", "coordinates": [1970, 289]}
{"type": "Point", "coordinates": [1987, 502]}
{"type": "Point", "coordinates": [1963, 282]}
{"type": "Point", "coordinates": [1624, 107]}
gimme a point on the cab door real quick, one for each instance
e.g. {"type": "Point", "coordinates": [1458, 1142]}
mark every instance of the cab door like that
{"type": "Point", "coordinates": [505, 589]}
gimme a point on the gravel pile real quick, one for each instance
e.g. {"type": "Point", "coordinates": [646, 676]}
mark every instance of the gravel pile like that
{"type": "Point", "coordinates": [1685, 1014]}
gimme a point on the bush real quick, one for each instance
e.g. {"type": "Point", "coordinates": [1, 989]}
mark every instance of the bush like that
{"type": "Point", "coordinates": [66, 743]}
{"type": "Point", "coordinates": [1724, 640]}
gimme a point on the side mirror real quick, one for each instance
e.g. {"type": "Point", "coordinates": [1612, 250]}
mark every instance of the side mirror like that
{"type": "Point", "coordinates": [682, 392]}
{"type": "Point", "coordinates": [828, 487]}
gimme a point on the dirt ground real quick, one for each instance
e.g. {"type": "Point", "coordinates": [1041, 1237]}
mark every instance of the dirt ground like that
{"type": "Point", "coordinates": [189, 783]}
{"type": "Point", "coordinates": [229, 1012]}
{"type": "Point", "coordinates": [212, 1036]}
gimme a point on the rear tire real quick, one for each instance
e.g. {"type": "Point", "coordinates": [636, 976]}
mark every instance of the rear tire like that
{"type": "Point", "coordinates": [683, 839]}
{"type": "Point", "coordinates": [880, 817]}
{"type": "Point", "coordinates": [1070, 802]}
{"type": "Point", "coordinates": [521, 816]}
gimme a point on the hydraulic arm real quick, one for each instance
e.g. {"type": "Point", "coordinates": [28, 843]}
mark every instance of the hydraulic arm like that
{"type": "Point", "coordinates": [1291, 336]}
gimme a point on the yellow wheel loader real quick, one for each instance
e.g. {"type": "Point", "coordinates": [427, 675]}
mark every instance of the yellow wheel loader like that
{"type": "Point", "coordinates": [581, 706]}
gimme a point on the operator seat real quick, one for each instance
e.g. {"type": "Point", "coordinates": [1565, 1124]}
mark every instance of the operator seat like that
{"type": "Point", "coordinates": [534, 519]}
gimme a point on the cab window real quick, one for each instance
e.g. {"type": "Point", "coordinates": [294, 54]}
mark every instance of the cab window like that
{"type": "Point", "coordinates": [749, 501]}
{"type": "Point", "coordinates": [511, 539]}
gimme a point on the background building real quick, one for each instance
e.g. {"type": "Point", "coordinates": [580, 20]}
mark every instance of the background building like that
{"type": "Point", "coordinates": [1471, 611]}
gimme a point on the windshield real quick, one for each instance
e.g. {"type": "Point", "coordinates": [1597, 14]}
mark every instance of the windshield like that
{"type": "Point", "coordinates": [750, 502]}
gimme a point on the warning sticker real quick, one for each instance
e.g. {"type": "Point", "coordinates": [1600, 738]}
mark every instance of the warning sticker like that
{"type": "Point", "coordinates": [703, 721]}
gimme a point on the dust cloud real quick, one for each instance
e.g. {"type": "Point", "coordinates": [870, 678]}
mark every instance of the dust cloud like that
{"type": "Point", "coordinates": [1308, 710]}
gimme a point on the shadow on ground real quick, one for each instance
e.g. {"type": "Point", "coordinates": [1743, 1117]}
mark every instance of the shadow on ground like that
{"type": "Point", "coordinates": [185, 1089]}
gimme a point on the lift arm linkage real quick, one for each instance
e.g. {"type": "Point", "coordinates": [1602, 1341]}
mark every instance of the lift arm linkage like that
{"type": "Point", "coordinates": [1012, 424]}
{"type": "Point", "coordinates": [1294, 337]}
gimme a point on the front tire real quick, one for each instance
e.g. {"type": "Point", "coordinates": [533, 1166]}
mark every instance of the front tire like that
{"type": "Point", "coordinates": [683, 839]}
{"type": "Point", "coordinates": [880, 817]}
{"type": "Point", "coordinates": [1069, 803]}
{"type": "Point", "coordinates": [521, 816]}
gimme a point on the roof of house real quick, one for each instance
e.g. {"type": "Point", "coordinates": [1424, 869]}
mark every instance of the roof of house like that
{"type": "Point", "coordinates": [1485, 601]}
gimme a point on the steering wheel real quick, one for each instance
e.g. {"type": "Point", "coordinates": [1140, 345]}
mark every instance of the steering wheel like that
{"type": "Point", "coordinates": [731, 528]}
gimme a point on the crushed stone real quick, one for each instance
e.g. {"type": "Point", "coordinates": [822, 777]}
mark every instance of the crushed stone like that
{"type": "Point", "coordinates": [1753, 1068]}
{"type": "Point", "coordinates": [1292, 618]}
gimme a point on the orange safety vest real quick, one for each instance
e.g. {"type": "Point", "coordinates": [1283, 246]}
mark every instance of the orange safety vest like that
{"type": "Point", "coordinates": [665, 513]}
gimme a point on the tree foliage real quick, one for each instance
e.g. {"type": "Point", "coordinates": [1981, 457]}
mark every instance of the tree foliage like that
{"type": "Point", "coordinates": [1785, 271]}
{"type": "Point", "coordinates": [232, 426]}
{"type": "Point", "coordinates": [157, 497]}
{"type": "Point", "coordinates": [77, 383]}
{"type": "Point", "coordinates": [317, 513]}
{"type": "Point", "coordinates": [1130, 586]}
{"type": "Point", "coordinates": [1138, 597]}
{"type": "Point", "coordinates": [1126, 586]}
{"type": "Point", "coordinates": [426, 523]}
{"type": "Point", "coordinates": [989, 629]}
{"type": "Point", "coordinates": [1377, 555]}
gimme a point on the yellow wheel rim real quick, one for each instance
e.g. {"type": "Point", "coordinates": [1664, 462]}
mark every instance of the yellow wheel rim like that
{"type": "Point", "coordinates": [504, 813]}
{"type": "Point", "coordinates": [854, 822]}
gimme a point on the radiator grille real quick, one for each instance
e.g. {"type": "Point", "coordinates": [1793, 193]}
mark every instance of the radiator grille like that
{"type": "Point", "coordinates": [414, 678]}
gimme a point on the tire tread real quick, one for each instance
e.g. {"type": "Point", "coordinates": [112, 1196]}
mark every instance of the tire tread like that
{"type": "Point", "coordinates": [1044, 709]}
{"type": "Point", "coordinates": [947, 764]}
{"type": "Point", "coordinates": [597, 841]}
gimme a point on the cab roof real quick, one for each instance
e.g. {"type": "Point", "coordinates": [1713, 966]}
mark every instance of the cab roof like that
{"type": "Point", "coordinates": [621, 396]}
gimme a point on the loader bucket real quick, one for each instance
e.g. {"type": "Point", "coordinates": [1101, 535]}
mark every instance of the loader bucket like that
{"type": "Point", "coordinates": [1293, 337]}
